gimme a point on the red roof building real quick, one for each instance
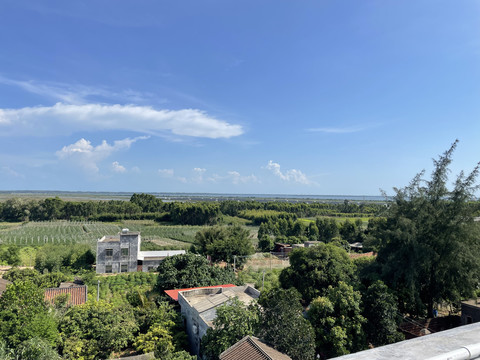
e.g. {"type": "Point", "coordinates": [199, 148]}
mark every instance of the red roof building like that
{"type": "Point", "coordinates": [252, 348]}
{"type": "Point", "coordinates": [174, 293]}
{"type": "Point", "coordinates": [77, 294]}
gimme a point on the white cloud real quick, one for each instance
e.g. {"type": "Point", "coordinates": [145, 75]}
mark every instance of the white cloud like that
{"type": "Point", "coordinates": [87, 156]}
{"type": "Point", "coordinates": [68, 118]}
{"type": "Point", "coordinates": [236, 178]}
{"type": "Point", "coordinates": [292, 175]}
{"type": "Point", "coordinates": [166, 173]}
{"type": "Point", "coordinates": [116, 167]}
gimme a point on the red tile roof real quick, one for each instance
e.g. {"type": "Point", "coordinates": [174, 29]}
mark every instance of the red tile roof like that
{"type": "Point", "coordinates": [174, 293]}
{"type": "Point", "coordinates": [77, 294]}
{"type": "Point", "coordinates": [252, 348]}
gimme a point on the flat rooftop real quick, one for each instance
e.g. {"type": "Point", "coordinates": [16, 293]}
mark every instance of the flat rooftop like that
{"type": "Point", "coordinates": [158, 255]}
{"type": "Point", "coordinates": [206, 300]}
{"type": "Point", "coordinates": [424, 347]}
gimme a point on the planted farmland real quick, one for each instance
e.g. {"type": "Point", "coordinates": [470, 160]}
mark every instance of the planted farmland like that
{"type": "Point", "coordinates": [71, 232]}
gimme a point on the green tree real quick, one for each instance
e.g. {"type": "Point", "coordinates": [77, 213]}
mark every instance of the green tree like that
{"type": "Point", "coordinates": [337, 321]}
{"type": "Point", "coordinates": [327, 228]}
{"type": "Point", "coordinates": [36, 349]}
{"type": "Point", "coordinates": [313, 269]}
{"type": "Point", "coordinates": [234, 321]}
{"type": "Point", "coordinates": [265, 243]}
{"type": "Point", "coordinates": [225, 243]}
{"type": "Point", "coordinates": [430, 250]}
{"type": "Point", "coordinates": [282, 324]}
{"type": "Point", "coordinates": [190, 270]}
{"type": "Point", "coordinates": [381, 312]}
{"type": "Point", "coordinates": [24, 315]}
{"type": "Point", "coordinates": [96, 329]}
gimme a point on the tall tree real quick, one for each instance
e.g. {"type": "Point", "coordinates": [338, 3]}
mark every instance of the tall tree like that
{"type": "Point", "coordinates": [282, 324]}
{"type": "Point", "coordinates": [430, 243]}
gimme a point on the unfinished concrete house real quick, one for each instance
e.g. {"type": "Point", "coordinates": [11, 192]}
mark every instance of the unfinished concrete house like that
{"type": "Point", "coordinates": [121, 253]}
{"type": "Point", "coordinates": [199, 308]}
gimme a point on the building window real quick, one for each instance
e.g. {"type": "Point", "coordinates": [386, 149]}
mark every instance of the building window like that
{"type": "Point", "coordinates": [124, 251]}
{"type": "Point", "coordinates": [108, 269]}
{"type": "Point", "coordinates": [123, 268]}
{"type": "Point", "coordinates": [108, 252]}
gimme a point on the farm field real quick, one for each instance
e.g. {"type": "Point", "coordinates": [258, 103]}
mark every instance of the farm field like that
{"type": "Point", "coordinates": [71, 232]}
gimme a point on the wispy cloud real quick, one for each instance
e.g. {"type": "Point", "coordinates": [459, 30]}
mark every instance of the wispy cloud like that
{"type": "Point", "coordinates": [7, 171]}
{"type": "Point", "coordinates": [66, 118]}
{"type": "Point", "coordinates": [338, 130]}
{"type": "Point", "coordinates": [292, 175]}
{"type": "Point", "coordinates": [77, 93]}
{"type": "Point", "coordinates": [83, 154]}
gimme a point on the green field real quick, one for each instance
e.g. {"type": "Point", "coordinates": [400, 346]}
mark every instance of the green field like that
{"type": "Point", "coordinates": [71, 232]}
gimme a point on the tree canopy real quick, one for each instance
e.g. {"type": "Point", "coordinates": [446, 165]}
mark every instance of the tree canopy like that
{"type": "Point", "coordinates": [225, 243]}
{"type": "Point", "coordinates": [338, 321]}
{"type": "Point", "coordinates": [234, 321]}
{"type": "Point", "coordinates": [313, 269]}
{"type": "Point", "coordinates": [190, 270]}
{"type": "Point", "coordinates": [282, 324]}
{"type": "Point", "coordinates": [430, 248]}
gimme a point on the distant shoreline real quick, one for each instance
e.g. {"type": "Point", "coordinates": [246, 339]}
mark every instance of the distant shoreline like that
{"type": "Point", "coordinates": [180, 196]}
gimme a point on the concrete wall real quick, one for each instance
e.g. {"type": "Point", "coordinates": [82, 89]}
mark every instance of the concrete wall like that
{"type": "Point", "coordinates": [150, 263]}
{"type": "Point", "coordinates": [194, 325]}
{"type": "Point", "coordinates": [470, 314]}
{"type": "Point", "coordinates": [130, 241]}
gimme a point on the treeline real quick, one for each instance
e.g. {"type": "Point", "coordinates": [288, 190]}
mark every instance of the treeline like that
{"type": "Point", "coordinates": [148, 207]}
{"type": "Point", "coordinates": [322, 229]}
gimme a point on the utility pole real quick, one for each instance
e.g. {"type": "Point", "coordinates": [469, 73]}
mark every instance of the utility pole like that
{"type": "Point", "coordinates": [263, 279]}
{"type": "Point", "coordinates": [234, 262]}
{"type": "Point", "coordinates": [98, 290]}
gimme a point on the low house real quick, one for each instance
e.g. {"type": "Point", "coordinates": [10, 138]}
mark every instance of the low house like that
{"type": "Point", "coordinates": [470, 311]}
{"type": "Point", "coordinates": [121, 253]}
{"type": "Point", "coordinates": [76, 293]}
{"type": "Point", "coordinates": [3, 285]}
{"type": "Point", "coordinates": [198, 307]}
{"type": "Point", "coordinates": [252, 348]}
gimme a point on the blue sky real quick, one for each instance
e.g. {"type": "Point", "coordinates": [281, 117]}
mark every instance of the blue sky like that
{"type": "Point", "coordinates": [294, 97]}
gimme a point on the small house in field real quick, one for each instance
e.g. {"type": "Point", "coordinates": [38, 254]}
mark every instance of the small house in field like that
{"type": "Point", "coordinates": [121, 253]}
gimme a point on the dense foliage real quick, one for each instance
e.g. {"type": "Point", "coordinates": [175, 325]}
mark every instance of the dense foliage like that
{"type": "Point", "coordinates": [190, 270]}
{"type": "Point", "coordinates": [282, 324]}
{"type": "Point", "coordinates": [312, 270]}
{"type": "Point", "coordinates": [337, 321]}
{"type": "Point", "coordinates": [234, 321]}
{"type": "Point", "coordinates": [225, 244]}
